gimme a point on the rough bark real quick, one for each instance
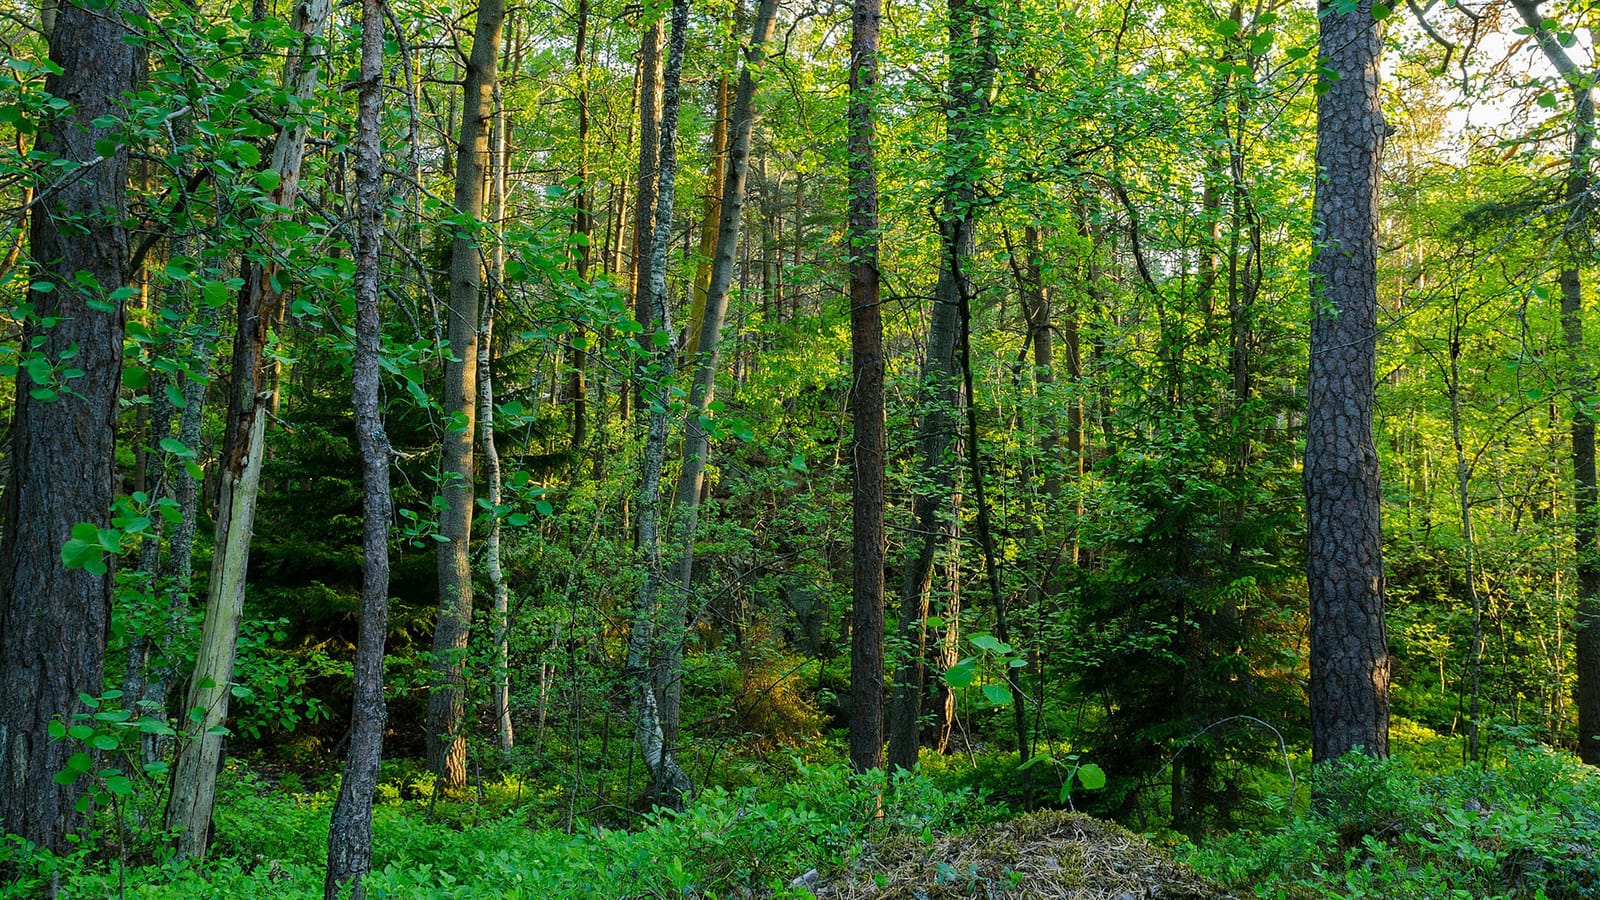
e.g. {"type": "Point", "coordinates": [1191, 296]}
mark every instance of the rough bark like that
{"type": "Point", "coordinates": [583, 230]}
{"type": "Point", "coordinates": [866, 398]}
{"type": "Point", "coordinates": [712, 216]}
{"type": "Point", "coordinates": [53, 620]}
{"type": "Point", "coordinates": [447, 745]}
{"type": "Point", "coordinates": [670, 785]}
{"type": "Point", "coordinates": [1586, 514]}
{"type": "Point", "coordinates": [696, 442]}
{"type": "Point", "coordinates": [1350, 666]}
{"type": "Point", "coordinates": [350, 828]}
{"type": "Point", "coordinates": [260, 302]}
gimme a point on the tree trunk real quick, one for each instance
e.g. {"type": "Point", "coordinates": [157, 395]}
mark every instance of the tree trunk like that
{"type": "Point", "coordinates": [53, 621]}
{"type": "Point", "coordinates": [696, 443]}
{"type": "Point", "coordinates": [583, 229]}
{"type": "Point", "coordinates": [500, 690]}
{"type": "Point", "coordinates": [260, 302]}
{"type": "Point", "coordinates": [669, 784]}
{"type": "Point", "coordinates": [866, 398]}
{"type": "Point", "coordinates": [644, 203]}
{"type": "Point", "coordinates": [712, 217]}
{"type": "Point", "coordinates": [350, 830]}
{"type": "Point", "coordinates": [1586, 516]}
{"type": "Point", "coordinates": [1350, 664]}
{"type": "Point", "coordinates": [447, 745]}
{"type": "Point", "coordinates": [972, 66]}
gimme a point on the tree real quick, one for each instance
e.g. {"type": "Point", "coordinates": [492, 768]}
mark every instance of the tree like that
{"type": "Point", "coordinates": [696, 440]}
{"type": "Point", "coordinates": [260, 305]}
{"type": "Point", "coordinates": [1585, 510]}
{"type": "Point", "coordinates": [350, 829]}
{"type": "Point", "coordinates": [866, 398]}
{"type": "Point", "coordinates": [447, 747]}
{"type": "Point", "coordinates": [1350, 666]}
{"type": "Point", "coordinates": [53, 619]}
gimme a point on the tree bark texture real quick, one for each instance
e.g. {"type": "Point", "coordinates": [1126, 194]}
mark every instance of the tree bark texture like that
{"type": "Point", "coordinates": [53, 621]}
{"type": "Point", "coordinates": [644, 201]}
{"type": "Point", "coordinates": [670, 785]}
{"type": "Point", "coordinates": [260, 303]}
{"type": "Point", "coordinates": [868, 447]}
{"type": "Point", "coordinates": [1350, 665]}
{"type": "Point", "coordinates": [350, 829]}
{"type": "Point", "coordinates": [447, 745]}
{"type": "Point", "coordinates": [696, 442]}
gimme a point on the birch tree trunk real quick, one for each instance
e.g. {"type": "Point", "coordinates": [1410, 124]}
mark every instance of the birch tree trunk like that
{"type": "Point", "coordinates": [350, 828]}
{"type": "Point", "coordinates": [53, 621]}
{"type": "Point", "coordinates": [670, 785]}
{"type": "Point", "coordinates": [696, 443]}
{"type": "Point", "coordinates": [501, 682]}
{"type": "Point", "coordinates": [447, 745]}
{"type": "Point", "coordinates": [194, 777]}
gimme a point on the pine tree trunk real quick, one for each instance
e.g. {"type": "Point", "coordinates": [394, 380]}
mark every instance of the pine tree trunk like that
{"type": "Point", "coordinates": [53, 621]}
{"type": "Point", "coordinates": [260, 301]}
{"type": "Point", "coordinates": [696, 443]}
{"type": "Point", "coordinates": [1350, 665]}
{"type": "Point", "coordinates": [447, 745]}
{"type": "Point", "coordinates": [350, 828]}
{"type": "Point", "coordinates": [868, 447]}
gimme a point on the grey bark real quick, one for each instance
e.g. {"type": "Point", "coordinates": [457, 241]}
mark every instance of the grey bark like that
{"type": "Point", "coordinates": [670, 785]}
{"type": "Point", "coordinates": [350, 827]}
{"type": "Point", "coordinates": [1350, 664]}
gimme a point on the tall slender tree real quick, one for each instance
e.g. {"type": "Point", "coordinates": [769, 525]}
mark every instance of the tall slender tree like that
{"type": "Point", "coordinates": [447, 747]}
{"type": "Point", "coordinates": [254, 383]}
{"type": "Point", "coordinates": [1585, 510]}
{"type": "Point", "coordinates": [696, 440]}
{"type": "Point", "coordinates": [866, 397]}
{"type": "Point", "coordinates": [350, 829]}
{"type": "Point", "coordinates": [1350, 663]}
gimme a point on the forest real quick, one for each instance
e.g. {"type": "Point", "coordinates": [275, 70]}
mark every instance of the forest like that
{"type": "Point", "coordinates": [799, 448]}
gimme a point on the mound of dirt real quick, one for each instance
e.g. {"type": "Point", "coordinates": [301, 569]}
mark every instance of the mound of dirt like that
{"type": "Point", "coordinates": [1044, 856]}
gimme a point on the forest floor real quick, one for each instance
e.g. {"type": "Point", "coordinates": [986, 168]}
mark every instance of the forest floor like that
{"type": "Point", "coordinates": [1523, 826]}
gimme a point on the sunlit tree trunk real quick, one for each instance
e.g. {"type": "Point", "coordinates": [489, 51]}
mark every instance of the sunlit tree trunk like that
{"type": "Point", "coordinates": [447, 746]}
{"type": "Point", "coordinates": [260, 303]}
{"type": "Point", "coordinates": [53, 621]}
{"type": "Point", "coordinates": [1350, 665]}
{"type": "Point", "coordinates": [350, 830]}
{"type": "Point", "coordinates": [696, 442]}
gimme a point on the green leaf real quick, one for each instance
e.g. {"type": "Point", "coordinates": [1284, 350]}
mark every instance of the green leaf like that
{"type": "Point", "coordinates": [961, 674]}
{"type": "Point", "coordinates": [135, 378]}
{"type": "Point", "coordinates": [1092, 777]}
{"type": "Point", "coordinates": [119, 785]}
{"type": "Point", "coordinates": [56, 729]}
{"type": "Point", "coordinates": [998, 694]}
{"type": "Point", "coordinates": [103, 742]}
